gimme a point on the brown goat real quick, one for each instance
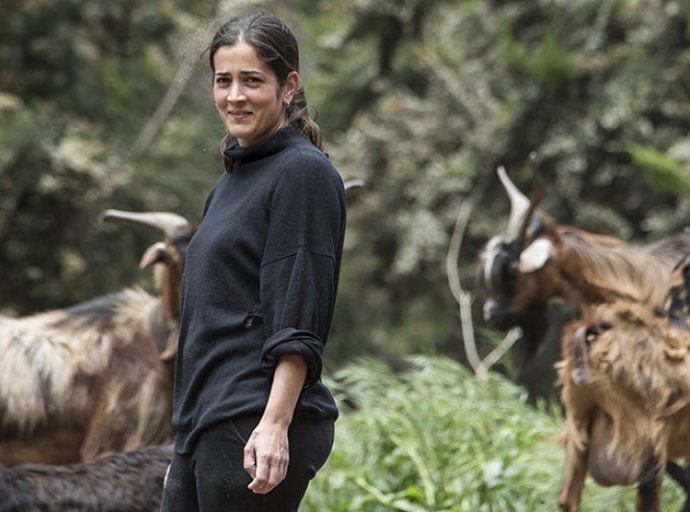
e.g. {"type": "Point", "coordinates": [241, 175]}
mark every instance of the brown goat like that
{"type": "Point", "coordinates": [539, 259]}
{"type": "Point", "coordinates": [626, 391]}
{"type": "Point", "coordinates": [95, 377]}
{"type": "Point", "coordinates": [113, 482]}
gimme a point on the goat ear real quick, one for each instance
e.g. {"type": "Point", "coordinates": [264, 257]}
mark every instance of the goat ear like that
{"type": "Point", "coordinates": [153, 254]}
{"type": "Point", "coordinates": [535, 255]}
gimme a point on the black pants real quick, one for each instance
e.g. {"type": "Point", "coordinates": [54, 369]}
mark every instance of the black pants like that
{"type": "Point", "coordinates": [211, 477]}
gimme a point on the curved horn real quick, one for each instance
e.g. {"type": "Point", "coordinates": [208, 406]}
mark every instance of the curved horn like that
{"type": "Point", "coordinates": [353, 183]}
{"type": "Point", "coordinates": [168, 223]}
{"type": "Point", "coordinates": [519, 206]}
{"type": "Point", "coordinates": [538, 194]}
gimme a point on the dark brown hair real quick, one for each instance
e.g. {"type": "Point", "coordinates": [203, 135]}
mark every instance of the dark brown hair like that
{"type": "Point", "coordinates": [276, 45]}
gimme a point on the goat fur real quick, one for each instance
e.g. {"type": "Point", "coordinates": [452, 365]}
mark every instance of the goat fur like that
{"type": "Point", "coordinates": [98, 376]}
{"type": "Point", "coordinates": [113, 482]}
{"type": "Point", "coordinates": [90, 377]}
{"type": "Point", "coordinates": [626, 390]}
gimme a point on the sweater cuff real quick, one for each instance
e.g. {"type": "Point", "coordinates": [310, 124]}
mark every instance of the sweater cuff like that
{"type": "Point", "coordinates": [292, 341]}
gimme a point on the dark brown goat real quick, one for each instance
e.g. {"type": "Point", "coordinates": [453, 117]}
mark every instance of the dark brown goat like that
{"type": "Point", "coordinates": [113, 482]}
{"type": "Point", "coordinates": [626, 392]}
{"type": "Point", "coordinates": [95, 377]}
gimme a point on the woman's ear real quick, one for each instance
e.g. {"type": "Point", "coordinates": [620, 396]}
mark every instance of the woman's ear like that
{"type": "Point", "coordinates": [291, 85]}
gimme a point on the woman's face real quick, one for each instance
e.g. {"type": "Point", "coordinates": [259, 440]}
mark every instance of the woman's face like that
{"type": "Point", "coordinates": [249, 99]}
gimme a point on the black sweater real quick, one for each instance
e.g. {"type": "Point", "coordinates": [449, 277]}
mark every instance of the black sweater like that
{"type": "Point", "coordinates": [260, 281]}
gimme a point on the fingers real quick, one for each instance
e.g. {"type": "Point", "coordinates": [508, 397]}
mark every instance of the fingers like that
{"type": "Point", "coordinates": [266, 466]}
{"type": "Point", "coordinates": [268, 475]}
{"type": "Point", "coordinates": [249, 462]}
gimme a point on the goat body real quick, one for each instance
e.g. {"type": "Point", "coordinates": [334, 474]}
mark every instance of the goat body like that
{"type": "Point", "coordinates": [84, 380]}
{"type": "Point", "coordinates": [113, 482]}
{"type": "Point", "coordinates": [96, 377]}
{"type": "Point", "coordinates": [626, 390]}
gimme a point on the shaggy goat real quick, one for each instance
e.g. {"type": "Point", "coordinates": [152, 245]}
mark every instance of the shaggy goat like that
{"type": "Point", "coordinates": [95, 377]}
{"type": "Point", "coordinates": [626, 391]}
{"type": "Point", "coordinates": [113, 482]}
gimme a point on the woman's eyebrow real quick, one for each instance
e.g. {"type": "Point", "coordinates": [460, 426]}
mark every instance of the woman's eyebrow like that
{"type": "Point", "coordinates": [242, 72]}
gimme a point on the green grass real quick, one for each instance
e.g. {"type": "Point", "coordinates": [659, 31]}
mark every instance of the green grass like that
{"type": "Point", "coordinates": [434, 438]}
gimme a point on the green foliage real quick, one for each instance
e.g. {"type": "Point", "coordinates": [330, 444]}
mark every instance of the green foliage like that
{"type": "Point", "coordinates": [48, 220]}
{"type": "Point", "coordinates": [432, 438]}
{"type": "Point", "coordinates": [422, 99]}
{"type": "Point", "coordinates": [550, 64]}
{"type": "Point", "coordinates": [660, 170]}
{"type": "Point", "coordinates": [77, 81]}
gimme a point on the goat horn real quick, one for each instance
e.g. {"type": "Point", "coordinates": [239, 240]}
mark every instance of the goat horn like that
{"type": "Point", "coordinates": [519, 205]}
{"type": "Point", "coordinates": [538, 194]}
{"type": "Point", "coordinates": [353, 183]}
{"type": "Point", "coordinates": [168, 223]}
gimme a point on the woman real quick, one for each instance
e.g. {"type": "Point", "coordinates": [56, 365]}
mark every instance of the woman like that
{"type": "Point", "coordinates": [254, 420]}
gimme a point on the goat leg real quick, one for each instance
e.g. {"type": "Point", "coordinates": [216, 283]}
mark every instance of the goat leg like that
{"type": "Point", "coordinates": [649, 487]}
{"type": "Point", "coordinates": [574, 473]}
{"type": "Point", "coordinates": [682, 476]}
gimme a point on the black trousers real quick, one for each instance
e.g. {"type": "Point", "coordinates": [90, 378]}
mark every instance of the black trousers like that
{"type": "Point", "coordinates": [211, 477]}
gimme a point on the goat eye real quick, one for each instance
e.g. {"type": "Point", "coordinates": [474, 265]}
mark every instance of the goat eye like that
{"type": "Point", "coordinates": [604, 326]}
{"type": "Point", "coordinates": [594, 331]}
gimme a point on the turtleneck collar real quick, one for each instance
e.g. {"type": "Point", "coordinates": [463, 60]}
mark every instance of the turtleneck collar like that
{"type": "Point", "coordinates": [274, 143]}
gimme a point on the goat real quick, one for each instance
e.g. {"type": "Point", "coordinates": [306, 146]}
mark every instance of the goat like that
{"type": "Point", "coordinates": [112, 482]}
{"type": "Point", "coordinates": [97, 376]}
{"type": "Point", "coordinates": [538, 259]}
{"type": "Point", "coordinates": [626, 390]}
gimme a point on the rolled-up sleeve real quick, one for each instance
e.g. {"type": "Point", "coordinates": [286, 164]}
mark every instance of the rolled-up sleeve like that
{"type": "Point", "coordinates": [292, 341]}
{"type": "Point", "coordinates": [301, 262]}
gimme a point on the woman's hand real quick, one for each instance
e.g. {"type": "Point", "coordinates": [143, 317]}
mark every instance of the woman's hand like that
{"type": "Point", "coordinates": [266, 456]}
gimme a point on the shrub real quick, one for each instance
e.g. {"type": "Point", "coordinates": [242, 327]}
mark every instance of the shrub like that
{"type": "Point", "coordinates": [434, 438]}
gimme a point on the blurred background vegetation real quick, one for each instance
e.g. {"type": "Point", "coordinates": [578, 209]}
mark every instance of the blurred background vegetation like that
{"type": "Point", "coordinates": [108, 105]}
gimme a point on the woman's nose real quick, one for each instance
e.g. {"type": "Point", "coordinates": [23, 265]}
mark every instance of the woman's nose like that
{"type": "Point", "coordinates": [235, 94]}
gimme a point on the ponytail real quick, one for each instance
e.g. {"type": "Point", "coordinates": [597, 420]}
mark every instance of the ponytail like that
{"type": "Point", "coordinates": [228, 162]}
{"type": "Point", "coordinates": [298, 116]}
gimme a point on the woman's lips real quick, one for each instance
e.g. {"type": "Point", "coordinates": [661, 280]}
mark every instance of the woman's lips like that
{"type": "Point", "coordinates": [239, 114]}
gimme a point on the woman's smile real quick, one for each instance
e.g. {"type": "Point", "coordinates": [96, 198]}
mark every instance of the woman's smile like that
{"type": "Point", "coordinates": [240, 115]}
